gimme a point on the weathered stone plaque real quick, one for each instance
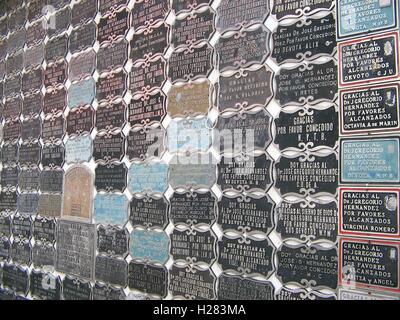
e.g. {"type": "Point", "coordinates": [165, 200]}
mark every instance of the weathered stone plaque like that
{"type": "Point", "coordinates": [107, 292]}
{"type": "Point", "coordinates": [78, 149]}
{"type": "Point", "coordinates": [112, 240]}
{"type": "Point", "coordinates": [82, 37]}
{"type": "Point", "coordinates": [297, 8]}
{"type": "Point", "coordinates": [44, 255]}
{"type": "Point", "coordinates": [152, 11]}
{"type": "Point", "coordinates": [369, 212]}
{"type": "Point", "coordinates": [17, 19]}
{"type": "Point", "coordinates": [370, 161]}
{"type": "Point", "coordinates": [16, 278]}
{"type": "Point", "coordinates": [318, 84]}
{"type": "Point", "coordinates": [29, 154]}
{"type": "Point", "coordinates": [34, 56]}
{"type": "Point", "coordinates": [50, 205]}
{"type": "Point", "coordinates": [148, 177]}
{"type": "Point", "coordinates": [35, 9]}
{"type": "Point", "coordinates": [111, 86]}
{"type": "Point", "coordinates": [148, 278]}
{"type": "Point", "coordinates": [76, 289]}
{"type": "Point", "coordinates": [22, 226]}
{"type": "Point", "coordinates": [21, 252]}
{"type": "Point", "coordinates": [59, 22]}
{"type": "Point", "coordinates": [149, 75]}
{"type": "Point", "coordinates": [35, 33]}
{"type": "Point", "coordinates": [44, 229]}
{"type": "Point", "coordinates": [53, 155]}
{"type": "Point", "coordinates": [111, 270]}
{"type": "Point", "coordinates": [148, 245]}
{"type": "Point", "coordinates": [110, 117]}
{"type": "Point", "coordinates": [16, 41]}
{"type": "Point", "coordinates": [82, 65]}
{"type": "Point", "coordinates": [113, 27]}
{"type": "Point", "coordinates": [80, 121]}
{"type": "Point", "coordinates": [14, 63]}
{"type": "Point", "coordinates": [110, 177]}
{"type": "Point", "coordinates": [148, 211]}
{"type": "Point", "coordinates": [81, 93]}
{"type": "Point", "coordinates": [78, 204]}
{"type": "Point", "coordinates": [55, 101]}
{"type": "Point", "coordinates": [53, 128]}
{"type": "Point", "coordinates": [76, 248]}
{"type": "Point", "coordinates": [109, 147]}
{"type": "Point", "coordinates": [52, 181]}
{"type": "Point", "coordinates": [83, 11]}
{"type": "Point", "coordinates": [12, 86]}
{"type": "Point", "coordinates": [28, 203]}
{"type": "Point", "coordinates": [238, 288]}
{"type": "Point", "coordinates": [369, 59]}
{"type": "Point", "coordinates": [45, 286]}
{"type": "Point", "coordinates": [111, 209]}
{"type": "Point", "coordinates": [56, 48]}
{"type": "Point", "coordinates": [32, 104]}
{"type": "Point", "coordinates": [112, 56]}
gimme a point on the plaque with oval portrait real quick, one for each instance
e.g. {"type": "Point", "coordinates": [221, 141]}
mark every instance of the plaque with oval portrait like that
{"type": "Point", "coordinates": [109, 147]}
{"type": "Point", "coordinates": [111, 86]}
{"type": "Point", "coordinates": [110, 116]}
{"type": "Point", "coordinates": [53, 155]}
{"type": "Point", "coordinates": [112, 56]}
{"type": "Point", "coordinates": [82, 37]}
{"type": "Point", "coordinates": [51, 181]}
{"type": "Point", "coordinates": [29, 154]}
{"type": "Point", "coordinates": [83, 11]}
{"type": "Point", "coordinates": [53, 128]}
{"type": "Point", "coordinates": [55, 101]}
{"type": "Point", "coordinates": [149, 75]}
{"type": "Point", "coordinates": [56, 73]}
{"type": "Point", "coordinates": [56, 48]}
{"type": "Point", "coordinates": [32, 81]}
{"type": "Point", "coordinates": [82, 65]}
{"type": "Point", "coordinates": [111, 177]}
{"type": "Point", "coordinates": [59, 22]}
{"type": "Point", "coordinates": [146, 11]}
{"type": "Point", "coordinates": [32, 104]}
{"type": "Point", "coordinates": [80, 121]}
{"type": "Point", "coordinates": [113, 26]}
{"type": "Point", "coordinates": [147, 108]}
{"type": "Point", "coordinates": [34, 56]}
{"type": "Point", "coordinates": [35, 32]}
{"type": "Point", "coordinates": [31, 128]}
{"type": "Point", "coordinates": [5, 252]}
{"type": "Point", "coordinates": [5, 224]}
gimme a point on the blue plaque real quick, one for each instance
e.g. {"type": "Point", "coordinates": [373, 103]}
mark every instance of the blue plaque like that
{"type": "Point", "coordinates": [369, 161]}
{"type": "Point", "coordinates": [148, 177]}
{"type": "Point", "coordinates": [111, 209]}
{"type": "Point", "coordinates": [189, 135]}
{"type": "Point", "coordinates": [78, 150]}
{"type": "Point", "coordinates": [81, 93]}
{"type": "Point", "coordinates": [148, 245]}
{"type": "Point", "coordinates": [356, 17]}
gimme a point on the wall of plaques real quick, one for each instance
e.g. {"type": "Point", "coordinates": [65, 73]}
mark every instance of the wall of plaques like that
{"type": "Point", "coordinates": [181, 149]}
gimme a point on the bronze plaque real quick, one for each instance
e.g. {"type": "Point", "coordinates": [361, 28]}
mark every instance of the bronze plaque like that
{"type": "Point", "coordinates": [78, 205]}
{"type": "Point", "coordinates": [147, 108]}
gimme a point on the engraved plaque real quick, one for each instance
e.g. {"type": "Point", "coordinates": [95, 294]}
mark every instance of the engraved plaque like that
{"type": "Point", "coordinates": [237, 13]}
{"type": "Point", "coordinates": [110, 177]}
{"type": "Point", "coordinates": [31, 128]}
{"type": "Point", "coordinates": [294, 266]}
{"type": "Point", "coordinates": [358, 106]}
{"type": "Point", "coordinates": [8, 201]}
{"type": "Point", "coordinates": [112, 56]}
{"type": "Point", "coordinates": [113, 26]}
{"type": "Point", "coordinates": [238, 288]}
{"type": "Point", "coordinates": [81, 93]}
{"type": "Point", "coordinates": [107, 5]}
{"type": "Point", "coordinates": [9, 177]}
{"type": "Point", "coordinates": [370, 161]}
{"type": "Point", "coordinates": [245, 212]}
{"type": "Point", "coordinates": [243, 173]}
{"type": "Point", "coordinates": [191, 63]}
{"type": "Point", "coordinates": [61, 21]}
{"type": "Point", "coordinates": [359, 66]}
{"type": "Point", "coordinates": [14, 63]}
{"type": "Point", "coordinates": [53, 155]}
{"type": "Point", "coordinates": [3, 49]}
{"type": "Point", "coordinates": [29, 154]}
{"type": "Point", "coordinates": [318, 84]}
{"type": "Point", "coordinates": [82, 37]}
{"type": "Point", "coordinates": [193, 285]}
{"type": "Point", "coordinates": [302, 175]}
{"type": "Point", "coordinates": [180, 6]}
{"type": "Point", "coordinates": [56, 73]}
{"type": "Point", "coordinates": [16, 41]}
{"type": "Point", "coordinates": [76, 289]}
{"type": "Point", "coordinates": [111, 270]}
{"type": "Point", "coordinates": [78, 150]}
{"type": "Point", "coordinates": [111, 86]}
{"type": "Point", "coordinates": [82, 65]}
{"type": "Point", "coordinates": [12, 86]}
{"type": "Point", "coordinates": [148, 75]}
{"type": "Point", "coordinates": [109, 147]}
{"type": "Point", "coordinates": [80, 121]}
{"type": "Point", "coordinates": [56, 48]}
{"type": "Point", "coordinates": [148, 211]}
{"type": "Point", "coordinates": [16, 278]}
{"type": "Point", "coordinates": [7, 295]}
{"type": "Point", "coordinates": [148, 278]}
{"type": "Point", "coordinates": [35, 9]}
{"type": "Point", "coordinates": [107, 292]}
{"type": "Point", "coordinates": [192, 207]}
{"type": "Point", "coordinates": [152, 11]}
{"type": "Point", "coordinates": [12, 108]}
{"type": "Point", "coordinates": [83, 11]}
{"type": "Point", "coordinates": [44, 229]}
{"type": "Point", "coordinates": [112, 240]}
{"type": "Point", "coordinates": [318, 38]}
{"type": "Point", "coordinates": [35, 33]}
{"type": "Point", "coordinates": [76, 248]}
{"type": "Point", "coordinates": [147, 109]}
{"type": "Point", "coordinates": [148, 177]}
{"type": "Point", "coordinates": [21, 252]}
{"type": "Point", "coordinates": [32, 81]}
{"type": "Point", "coordinates": [307, 128]}
{"type": "Point", "coordinates": [50, 205]}
{"type": "Point", "coordinates": [53, 128]}
{"type": "Point", "coordinates": [145, 143]}
{"type": "Point", "coordinates": [9, 153]}
{"type": "Point", "coordinates": [110, 116]}
{"type": "Point", "coordinates": [34, 56]}
{"type": "Point", "coordinates": [5, 225]}
{"type": "Point", "coordinates": [45, 286]}
{"type": "Point", "coordinates": [111, 209]}
{"type": "Point", "coordinates": [55, 101]}
{"type": "Point", "coordinates": [52, 181]}
{"type": "Point", "coordinates": [22, 226]}
{"type": "Point", "coordinates": [297, 8]}
{"type": "Point", "coordinates": [78, 205]}
{"type": "Point", "coordinates": [348, 294]}
{"type": "Point", "coordinates": [12, 130]}
{"type": "Point", "coordinates": [44, 255]}
{"type": "Point", "coordinates": [302, 295]}
{"type": "Point", "coordinates": [148, 245]}
{"type": "Point", "coordinates": [5, 246]}
{"type": "Point", "coordinates": [248, 257]}
{"type": "Point", "coordinates": [28, 203]}
{"type": "Point", "coordinates": [17, 19]}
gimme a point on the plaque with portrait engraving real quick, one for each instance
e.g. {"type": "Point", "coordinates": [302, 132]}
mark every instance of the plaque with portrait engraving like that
{"type": "Point", "coordinates": [245, 213]}
{"type": "Point", "coordinates": [78, 149]}
{"type": "Point", "coordinates": [148, 278]}
{"type": "Point", "coordinates": [318, 39]}
{"type": "Point", "coordinates": [78, 205]}
{"type": "Point", "coordinates": [109, 147]}
{"type": "Point", "coordinates": [305, 128]}
{"type": "Point", "coordinates": [148, 177]}
{"type": "Point", "coordinates": [191, 63]}
{"type": "Point", "coordinates": [82, 65]}
{"type": "Point", "coordinates": [302, 295]}
{"type": "Point", "coordinates": [44, 229]}
{"type": "Point", "coordinates": [111, 270]}
{"type": "Point", "coordinates": [110, 177]}
{"type": "Point", "coordinates": [112, 56]}
{"type": "Point", "coordinates": [45, 286]}
{"type": "Point", "coordinates": [16, 278]}
{"type": "Point", "coordinates": [81, 93]}
{"type": "Point", "coordinates": [12, 108]}
{"type": "Point", "coordinates": [55, 101]}
{"type": "Point", "coordinates": [35, 32]}
{"type": "Point", "coordinates": [318, 84]}
{"type": "Point", "coordinates": [357, 65]}
{"type": "Point", "coordinates": [53, 155]}
{"type": "Point", "coordinates": [32, 104]}
{"type": "Point", "coordinates": [9, 153]}
{"type": "Point", "coordinates": [12, 131]}
{"type": "Point", "coordinates": [307, 175]}
{"type": "Point", "coordinates": [192, 284]}
{"type": "Point", "coordinates": [294, 267]}
{"type": "Point", "coordinates": [29, 154]}
{"type": "Point", "coordinates": [246, 256]}
{"type": "Point", "coordinates": [110, 117]}
{"type": "Point", "coordinates": [238, 13]}
{"type": "Point", "coordinates": [146, 11]}
{"type": "Point", "coordinates": [112, 240]}
{"type": "Point", "coordinates": [21, 252]}
{"type": "Point", "coordinates": [28, 203]}
{"type": "Point", "coordinates": [83, 11]}
{"type": "Point", "coordinates": [31, 128]}
{"type": "Point", "coordinates": [296, 8]}
{"type": "Point", "coordinates": [145, 143]}
{"type": "Point", "coordinates": [53, 128]}
{"type": "Point", "coordinates": [44, 255]}
{"type": "Point", "coordinates": [238, 288]}
{"type": "Point", "coordinates": [80, 121]}
{"type": "Point", "coordinates": [111, 86]}
{"type": "Point", "coordinates": [56, 48]}
{"type": "Point", "coordinates": [82, 37]}
{"type": "Point", "coordinates": [32, 81]}
{"type": "Point", "coordinates": [111, 209]}
{"type": "Point", "coordinates": [302, 221]}
{"type": "Point", "coordinates": [56, 73]}
{"type": "Point", "coordinates": [34, 56]}
{"type": "Point", "coordinates": [52, 181]}
{"type": "Point", "coordinates": [113, 26]}
{"type": "Point", "coordinates": [107, 292]}
{"type": "Point", "coordinates": [148, 211]}
{"type": "Point", "coordinates": [22, 226]}
{"type": "Point", "coordinates": [59, 22]}
{"type": "Point", "coordinates": [148, 76]}
{"type": "Point", "coordinates": [149, 245]}
{"type": "Point", "coordinates": [358, 106]}
{"type": "Point", "coordinates": [50, 205]}
{"type": "Point", "coordinates": [76, 289]}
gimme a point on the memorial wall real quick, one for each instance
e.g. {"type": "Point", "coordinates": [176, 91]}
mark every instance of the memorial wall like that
{"type": "Point", "coordinates": [199, 149]}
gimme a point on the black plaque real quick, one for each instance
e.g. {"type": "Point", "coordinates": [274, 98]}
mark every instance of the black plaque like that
{"type": "Point", "coordinates": [45, 286]}
{"type": "Point", "coordinates": [307, 128]}
{"type": "Point", "coordinates": [110, 117]}
{"type": "Point", "coordinates": [305, 176]}
{"type": "Point", "coordinates": [113, 27]}
{"type": "Point", "coordinates": [29, 180]}
{"type": "Point", "coordinates": [180, 6]}
{"type": "Point", "coordinates": [8, 201]}
{"type": "Point", "coordinates": [12, 86]}
{"type": "Point", "coordinates": [307, 84]}
{"type": "Point", "coordinates": [83, 11]}
{"type": "Point", "coordinates": [148, 211]}
{"type": "Point", "coordinates": [16, 41]}
{"type": "Point", "coordinates": [148, 75]}
{"type": "Point", "coordinates": [55, 101]}
{"type": "Point", "coordinates": [53, 128]}
{"type": "Point", "coordinates": [14, 63]}
{"type": "Point", "coordinates": [21, 252]}
{"type": "Point", "coordinates": [9, 177]}
{"type": "Point", "coordinates": [152, 11]}
{"type": "Point", "coordinates": [7, 295]}
{"type": "Point", "coordinates": [305, 266]}
{"type": "Point", "coordinates": [111, 177]}
{"type": "Point", "coordinates": [107, 292]}
{"type": "Point", "coordinates": [44, 255]}
{"type": "Point", "coordinates": [12, 108]}
{"type": "Point", "coordinates": [193, 208]}
{"type": "Point", "coordinates": [5, 225]}
{"type": "Point", "coordinates": [111, 270]}
{"type": "Point", "coordinates": [32, 81]}
{"type": "Point", "coordinates": [244, 173]}
{"type": "Point", "coordinates": [28, 203]}
{"type": "Point", "coordinates": [105, 6]}
{"type": "Point", "coordinates": [297, 8]}
{"type": "Point", "coordinates": [34, 56]}
{"type": "Point", "coordinates": [82, 65]}
{"type": "Point", "coordinates": [112, 240]}
{"type": "Point", "coordinates": [307, 39]}
{"type": "Point", "coordinates": [76, 289]}
{"type": "Point", "coordinates": [191, 63]}
{"type": "Point", "coordinates": [56, 73]}
{"type": "Point", "coordinates": [12, 131]}
{"type": "Point", "coordinates": [5, 247]}
{"type": "Point", "coordinates": [302, 295]}
{"type": "Point", "coordinates": [238, 288]}
{"type": "Point", "coordinates": [59, 22]}
{"type": "Point", "coordinates": [51, 181]}
{"type": "Point", "coordinates": [82, 37]}
{"type": "Point", "coordinates": [80, 121]}
{"type": "Point", "coordinates": [109, 147]}
{"type": "Point", "coordinates": [111, 86]}
{"type": "Point", "coordinates": [112, 56]}
{"type": "Point", "coordinates": [145, 143]}
{"type": "Point", "coordinates": [147, 109]}
{"type": "Point", "coordinates": [56, 48]}
{"type": "Point", "coordinates": [29, 154]}
{"type": "Point", "coordinates": [44, 229]}
{"type": "Point", "coordinates": [53, 155]}
{"type": "Point", "coordinates": [35, 33]}
{"type": "Point", "coordinates": [16, 278]}
{"type": "Point", "coordinates": [246, 213]}
{"type": "Point", "coordinates": [148, 278]}
{"type": "Point", "coordinates": [22, 226]}
{"type": "Point", "coordinates": [32, 104]}
{"type": "Point", "coordinates": [9, 153]}
{"type": "Point", "coordinates": [31, 128]}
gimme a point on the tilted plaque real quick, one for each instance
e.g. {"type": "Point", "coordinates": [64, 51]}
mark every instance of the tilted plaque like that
{"type": "Point", "coordinates": [111, 270]}
{"type": "Point", "coordinates": [81, 93]}
{"type": "Point", "coordinates": [83, 11]}
{"type": "Point", "coordinates": [149, 12]}
{"type": "Point", "coordinates": [111, 209]}
{"type": "Point", "coordinates": [53, 155]}
{"type": "Point", "coordinates": [55, 101]}
{"type": "Point", "coordinates": [56, 48]}
{"type": "Point", "coordinates": [80, 121]}
{"type": "Point", "coordinates": [148, 211]}
{"type": "Point", "coordinates": [109, 147]}
{"type": "Point", "coordinates": [147, 109]}
{"type": "Point", "coordinates": [53, 128]}
{"type": "Point", "coordinates": [44, 229]}
{"type": "Point", "coordinates": [59, 22]}
{"type": "Point", "coordinates": [149, 245]}
{"type": "Point", "coordinates": [52, 181]}
{"type": "Point", "coordinates": [76, 248]}
{"type": "Point", "coordinates": [148, 278]}
{"type": "Point", "coordinates": [82, 37]}
{"type": "Point", "coordinates": [111, 177]}
{"type": "Point", "coordinates": [110, 117]}
{"type": "Point", "coordinates": [45, 286]}
{"type": "Point", "coordinates": [50, 205]}
{"type": "Point", "coordinates": [107, 292]}
{"type": "Point", "coordinates": [76, 289]}
{"type": "Point", "coordinates": [113, 26]}
{"type": "Point", "coordinates": [16, 278]}
{"type": "Point", "coordinates": [148, 177]}
{"type": "Point", "coordinates": [297, 8]}
{"type": "Point", "coordinates": [147, 76]}
{"type": "Point", "coordinates": [78, 149]}
{"type": "Point", "coordinates": [112, 56]}
{"type": "Point", "coordinates": [112, 240]}
{"type": "Point", "coordinates": [111, 86]}
{"type": "Point", "coordinates": [82, 65]}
